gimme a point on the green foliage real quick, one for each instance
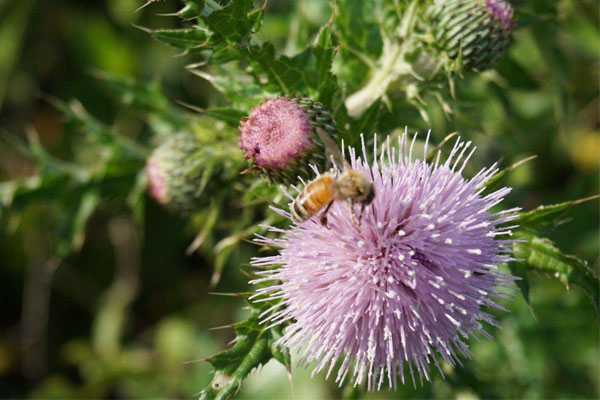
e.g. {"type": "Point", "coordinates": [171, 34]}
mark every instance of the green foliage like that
{"type": "Point", "coordinates": [546, 215]}
{"type": "Point", "coordinates": [132, 276]}
{"type": "Point", "coordinates": [253, 346]}
{"type": "Point", "coordinates": [541, 254]}
{"type": "Point", "coordinates": [77, 189]}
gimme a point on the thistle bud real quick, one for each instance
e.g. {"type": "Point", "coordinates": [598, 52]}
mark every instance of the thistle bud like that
{"type": "Point", "coordinates": [175, 174]}
{"type": "Point", "coordinates": [479, 31]}
{"type": "Point", "coordinates": [280, 138]}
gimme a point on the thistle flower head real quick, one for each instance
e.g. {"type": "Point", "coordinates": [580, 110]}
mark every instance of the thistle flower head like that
{"type": "Point", "coordinates": [174, 175]}
{"type": "Point", "coordinates": [406, 286]}
{"type": "Point", "coordinates": [279, 138]}
{"type": "Point", "coordinates": [479, 31]}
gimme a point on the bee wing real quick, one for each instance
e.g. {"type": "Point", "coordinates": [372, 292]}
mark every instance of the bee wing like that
{"type": "Point", "coordinates": [332, 150]}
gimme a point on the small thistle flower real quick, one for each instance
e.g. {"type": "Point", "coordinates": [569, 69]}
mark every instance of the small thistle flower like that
{"type": "Point", "coordinates": [479, 31]}
{"type": "Point", "coordinates": [280, 140]}
{"type": "Point", "coordinates": [402, 289]}
{"type": "Point", "coordinates": [174, 174]}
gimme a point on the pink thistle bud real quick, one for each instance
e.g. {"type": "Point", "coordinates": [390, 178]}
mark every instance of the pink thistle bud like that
{"type": "Point", "coordinates": [174, 173]}
{"type": "Point", "coordinates": [279, 138]}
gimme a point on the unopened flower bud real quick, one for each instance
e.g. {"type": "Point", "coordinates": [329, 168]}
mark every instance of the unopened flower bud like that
{"type": "Point", "coordinates": [174, 174]}
{"type": "Point", "coordinates": [280, 138]}
{"type": "Point", "coordinates": [479, 31]}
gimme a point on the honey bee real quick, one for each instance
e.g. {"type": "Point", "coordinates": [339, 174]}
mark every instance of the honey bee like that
{"type": "Point", "coordinates": [347, 185]}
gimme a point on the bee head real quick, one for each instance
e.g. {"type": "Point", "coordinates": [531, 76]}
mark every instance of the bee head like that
{"type": "Point", "coordinates": [370, 195]}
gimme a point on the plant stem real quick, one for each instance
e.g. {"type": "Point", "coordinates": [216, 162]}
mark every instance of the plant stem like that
{"type": "Point", "coordinates": [392, 67]}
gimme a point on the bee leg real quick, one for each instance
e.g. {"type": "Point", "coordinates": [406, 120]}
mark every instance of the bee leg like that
{"type": "Point", "coordinates": [352, 214]}
{"type": "Point", "coordinates": [324, 215]}
{"type": "Point", "coordinates": [362, 209]}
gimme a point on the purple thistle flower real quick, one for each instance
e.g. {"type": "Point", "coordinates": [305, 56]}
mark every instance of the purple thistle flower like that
{"type": "Point", "coordinates": [403, 288]}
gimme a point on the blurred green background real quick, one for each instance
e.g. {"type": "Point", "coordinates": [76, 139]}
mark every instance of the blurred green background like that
{"type": "Point", "coordinates": [128, 315]}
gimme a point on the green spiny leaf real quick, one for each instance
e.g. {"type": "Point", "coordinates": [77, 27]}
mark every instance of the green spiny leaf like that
{"type": "Point", "coordinates": [360, 40]}
{"type": "Point", "coordinates": [540, 254]}
{"type": "Point", "coordinates": [223, 52]}
{"type": "Point", "coordinates": [306, 74]}
{"type": "Point", "coordinates": [282, 73]}
{"type": "Point", "coordinates": [254, 346]}
{"type": "Point", "coordinates": [192, 9]}
{"type": "Point", "coordinates": [233, 21]}
{"type": "Point", "coordinates": [548, 214]}
{"type": "Point", "coordinates": [324, 51]}
{"type": "Point", "coordinates": [188, 39]}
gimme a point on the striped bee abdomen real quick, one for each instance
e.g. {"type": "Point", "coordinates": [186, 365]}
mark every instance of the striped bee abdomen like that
{"type": "Point", "coordinates": [316, 195]}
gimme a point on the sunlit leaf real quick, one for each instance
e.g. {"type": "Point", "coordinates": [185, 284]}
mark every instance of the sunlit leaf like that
{"type": "Point", "coordinates": [540, 254]}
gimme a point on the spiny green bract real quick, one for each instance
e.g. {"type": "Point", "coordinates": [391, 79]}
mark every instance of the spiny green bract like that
{"type": "Point", "coordinates": [475, 31]}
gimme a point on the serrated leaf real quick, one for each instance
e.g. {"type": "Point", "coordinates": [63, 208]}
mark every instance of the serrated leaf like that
{"type": "Point", "coordinates": [360, 40]}
{"type": "Point", "coordinates": [254, 346]}
{"type": "Point", "coordinates": [324, 51]}
{"type": "Point", "coordinates": [281, 73]}
{"type": "Point", "coordinates": [308, 73]}
{"type": "Point", "coordinates": [547, 214]}
{"type": "Point", "coordinates": [192, 9]}
{"type": "Point", "coordinates": [191, 38]}
{"type": "Point", "coordinates": [224, 52]}
{"type": "Point", "coordinates": [540, 254]}
{"type": "Point", "coordinates": [357, 29]}
{"type": "Point", "coordinates": [233, 22]}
